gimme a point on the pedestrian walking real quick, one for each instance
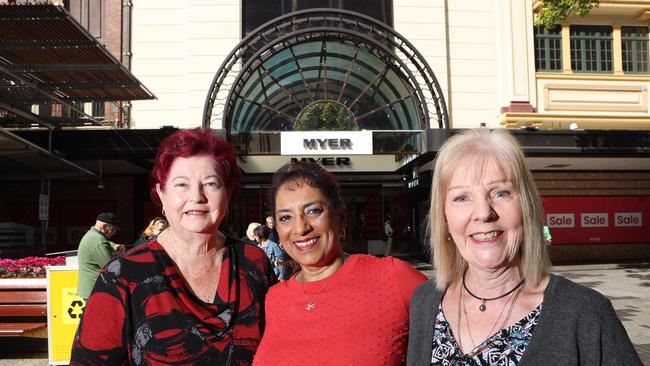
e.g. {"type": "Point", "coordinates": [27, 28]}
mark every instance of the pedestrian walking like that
{"type": "Point", "coordinates": [95, 250]}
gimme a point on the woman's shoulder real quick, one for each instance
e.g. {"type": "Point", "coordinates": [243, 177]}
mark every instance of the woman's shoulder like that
{"type": "Point", "coordinates": [569, 294]}
{"type": "Point", "coordinates": [135, 259]}
{"type": "Point", "coordinates": [383, 263]}
{"type": "Point", "coordinates": [280, 291]}
{"type": "Point", "coordinates": [427, 290]}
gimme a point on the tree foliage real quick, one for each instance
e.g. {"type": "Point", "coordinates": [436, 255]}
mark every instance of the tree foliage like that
{"type": "Point", "coordinates": [325, 116]}
{"type": "Point", "coordinates": [555, 11]}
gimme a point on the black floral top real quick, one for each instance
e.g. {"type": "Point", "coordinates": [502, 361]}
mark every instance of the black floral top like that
{"type": "Point", "coordinates": [506, 347]}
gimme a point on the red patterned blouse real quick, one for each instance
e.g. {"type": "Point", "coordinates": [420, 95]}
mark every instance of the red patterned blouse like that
{"type": "Point", "coordinates": [141, 312]}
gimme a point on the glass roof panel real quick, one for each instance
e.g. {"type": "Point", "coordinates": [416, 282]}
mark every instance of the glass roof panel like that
{"type": "Point", "coordinates": [281, 87]}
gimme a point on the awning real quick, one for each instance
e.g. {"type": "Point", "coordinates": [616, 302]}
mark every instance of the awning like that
{"type": "Point", "coordinates": [21, 159]}
{"type": "Point", "coordinates": [48, 58]}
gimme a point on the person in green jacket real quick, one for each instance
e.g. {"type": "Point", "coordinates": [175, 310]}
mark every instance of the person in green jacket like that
{"type": "Point", "coordinates": [95, 250]}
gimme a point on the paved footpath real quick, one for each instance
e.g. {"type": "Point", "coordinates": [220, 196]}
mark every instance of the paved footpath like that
{"type": "Point", "coordinates": [626, 285]}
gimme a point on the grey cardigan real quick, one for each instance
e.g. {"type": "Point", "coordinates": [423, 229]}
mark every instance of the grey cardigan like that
{"type": "Point", "coordinates": [577, 326]}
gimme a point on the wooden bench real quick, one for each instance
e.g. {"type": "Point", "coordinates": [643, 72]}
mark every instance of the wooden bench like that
{"type": "Point", "coordinates": [23, 307]}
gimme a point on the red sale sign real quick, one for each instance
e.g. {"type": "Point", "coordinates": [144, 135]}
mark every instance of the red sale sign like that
{"type": "Point", "coordinates": [598, 219]}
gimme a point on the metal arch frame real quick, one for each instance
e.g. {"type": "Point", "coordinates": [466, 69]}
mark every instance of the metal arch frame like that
{"type": "Point", "coordinates": [267, 33]}
{"type": "Point", "coordinates": [323, 33]}
{"type": "Point", "coordinates": [375, 91]}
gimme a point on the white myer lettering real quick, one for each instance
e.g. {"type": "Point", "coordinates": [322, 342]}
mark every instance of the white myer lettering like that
{"type": "Point", "coordinates": [560, 220]}
{"type": "Point", "coordinates": [327, 144]}
{"type": "Point", "coordinates": [594, 219]}
{"type": "Point", "coordinates": [622, 219]}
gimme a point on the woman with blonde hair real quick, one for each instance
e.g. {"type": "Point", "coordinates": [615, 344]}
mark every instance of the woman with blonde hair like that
{"type": "Point", "coordinates": [493, 300]}
{"type": "Point", "coordinates": [155, 227]}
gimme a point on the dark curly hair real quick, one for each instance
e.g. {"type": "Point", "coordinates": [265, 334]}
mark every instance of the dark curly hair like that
{"type": "Point", "coordinates": [312, 174]}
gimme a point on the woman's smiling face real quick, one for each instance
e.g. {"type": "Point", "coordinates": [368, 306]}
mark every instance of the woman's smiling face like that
{"type": "Point", "coordinates": [483, 215]}
{"type": "Point", "coordinates": [194, 198]}
{"type": "Point", "coordinates": [308, 226]}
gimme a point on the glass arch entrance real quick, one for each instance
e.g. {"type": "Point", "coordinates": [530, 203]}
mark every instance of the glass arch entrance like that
{"type": "Point", "coordinates": [324, 55]}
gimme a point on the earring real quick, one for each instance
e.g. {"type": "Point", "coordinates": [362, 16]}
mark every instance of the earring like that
{"type": "Point", "coordinates": [163, 212]}
{"type": "Point", "coordinates": [448, 237]}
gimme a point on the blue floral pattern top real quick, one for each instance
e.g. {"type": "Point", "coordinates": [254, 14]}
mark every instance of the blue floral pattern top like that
{"type": "Point", "coordinates": [504, 348]}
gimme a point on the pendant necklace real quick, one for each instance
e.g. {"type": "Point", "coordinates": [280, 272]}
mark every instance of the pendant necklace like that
{"type": "Point", "coordinates": [311, 300]}
{"type": "Point", "coordinates": [482, 307]}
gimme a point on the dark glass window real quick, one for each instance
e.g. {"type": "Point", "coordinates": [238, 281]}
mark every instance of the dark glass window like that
{"type": "Point", "coordinates": [98, 109]}
{"type": "Point", "coordinates": [634, 43]}
{"type": "Point", "coordinates": [591, 48]}
{"type": "Point", "coordinates": [548, 49]}
{"type": "Point", "coordinates": [75, 113]}
{"type": "Point", "coordinates": [258, 12]}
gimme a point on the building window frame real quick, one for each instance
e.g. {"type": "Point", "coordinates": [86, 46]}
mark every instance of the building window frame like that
{"type": "Point", "coordinates": [548, 49]}
{"type": "Point", "coordinates": [278, 8]}
{"type": "Point", "coordinates": [592, 48]}
{"type": "Point", "coordinates": [634, 49]}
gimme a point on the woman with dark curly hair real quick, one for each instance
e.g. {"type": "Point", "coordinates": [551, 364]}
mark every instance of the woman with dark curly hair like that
{"type": "Point", "coordinates": [339, 309]}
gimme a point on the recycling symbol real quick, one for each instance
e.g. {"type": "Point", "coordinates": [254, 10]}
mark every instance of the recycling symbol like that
{"type": "Point", "coordinates": [75, 309]}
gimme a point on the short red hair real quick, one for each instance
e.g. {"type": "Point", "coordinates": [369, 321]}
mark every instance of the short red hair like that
{"type": "Point", "coordinates": [195, 142]}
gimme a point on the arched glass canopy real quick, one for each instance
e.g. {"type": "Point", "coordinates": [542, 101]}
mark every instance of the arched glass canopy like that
{"type": "Point", "coordinates": [327, 61]}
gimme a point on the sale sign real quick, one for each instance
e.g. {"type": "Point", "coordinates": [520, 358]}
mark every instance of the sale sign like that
{"type": "Point", "coordinates": [597, 219]}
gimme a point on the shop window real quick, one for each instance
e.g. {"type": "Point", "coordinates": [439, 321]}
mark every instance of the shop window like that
{"type": "Point", "coordinates": [634, 44]}
{"type": "Point", "coordinates": [76, 113]}
{"type": "Point", "coordinates": [548, 49]}
{"type": "Point", "coordinates": [591, 48]}
{"type": "Point", "coordinates": [258, 12]}
{"type": "Point", "coordinates": [98, 109]}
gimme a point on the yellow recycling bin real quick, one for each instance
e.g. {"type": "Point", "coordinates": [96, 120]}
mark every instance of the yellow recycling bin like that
{"type": "Point", "coordinates": [64, 309]}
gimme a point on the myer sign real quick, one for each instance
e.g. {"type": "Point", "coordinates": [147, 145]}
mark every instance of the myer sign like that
{"type": "Point", "coordinates": [326, 143]}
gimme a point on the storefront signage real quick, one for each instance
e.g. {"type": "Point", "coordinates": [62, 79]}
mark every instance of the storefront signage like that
{"type": "Point", "coordinates": [593, 220]}
{"type": "Point", "coordinates": [326, 143]}
{"type": "Point", "coordinates": [255, 164]}
{"type": "Point", "coordinates": [628, 219]}
{"type": "Point", "coordinates": [601, 219]}
{"type": "Point", "coordinates": [560, 220]}
{"type": "Point", "coordinates": [326, 161]}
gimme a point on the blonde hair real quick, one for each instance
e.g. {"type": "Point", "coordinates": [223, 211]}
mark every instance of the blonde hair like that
{"type": "Point", "coordinates": [250, 228]}
{"type": "Point", "coordinates": [148, 231]}
{"type": "Point", "coordinates": [480, 146]}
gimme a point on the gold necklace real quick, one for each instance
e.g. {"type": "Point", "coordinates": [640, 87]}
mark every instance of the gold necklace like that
{"type": "Point", "coordinates": [311, 300]}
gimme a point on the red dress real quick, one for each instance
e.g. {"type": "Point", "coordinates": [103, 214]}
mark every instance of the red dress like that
{"type": "Point", "coordinates": [360, 317]}
{"type": "Point", "coordinates": [141, 312]}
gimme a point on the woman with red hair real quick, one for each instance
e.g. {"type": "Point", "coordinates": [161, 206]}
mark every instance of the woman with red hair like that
{"type": "Point", "coordinates": [192, 295]}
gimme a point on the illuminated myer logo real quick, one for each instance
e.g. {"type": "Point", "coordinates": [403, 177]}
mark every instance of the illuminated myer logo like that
{"type": "Point", "coordinates": [338, 161]}
{"type": "Point", "coordinates": [327, 144]}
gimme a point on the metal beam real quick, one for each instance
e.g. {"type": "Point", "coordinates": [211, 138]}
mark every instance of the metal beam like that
{"type": "Point", "coordinates": [62, 67]}
{"type": "Point", "coordinates": [27, 115]}
{"type": "Point", "coordinates": [94, 85]}
{"type": "Point", "coordinates": [31, 146]}
{"type": "Point", "coordinates": [38, 45]}
{"type": "Point", "coordinates": [46, 93]}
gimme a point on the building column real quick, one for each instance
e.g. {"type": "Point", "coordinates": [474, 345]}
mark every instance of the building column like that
{"type": "Point", "coordinates": [516, 55]}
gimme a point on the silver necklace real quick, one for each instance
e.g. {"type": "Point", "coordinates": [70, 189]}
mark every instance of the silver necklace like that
{"type": "Point", "coordinates": [512, 299]}
{"type": "Point", "coordinates": [311, 300]}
